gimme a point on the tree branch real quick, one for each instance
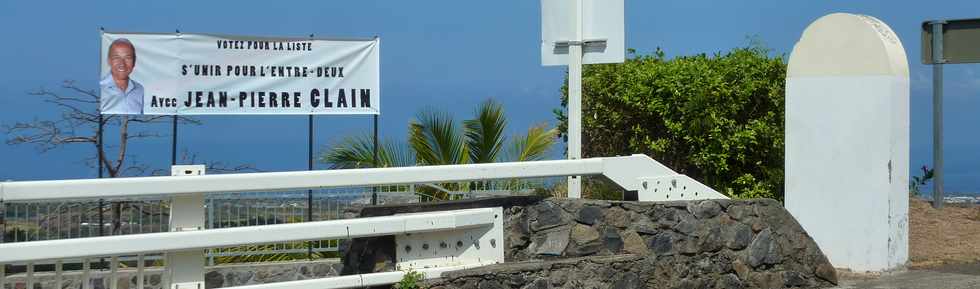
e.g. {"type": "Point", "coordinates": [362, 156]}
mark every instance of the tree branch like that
{"type": "Point", "coordinates": [79, 123]}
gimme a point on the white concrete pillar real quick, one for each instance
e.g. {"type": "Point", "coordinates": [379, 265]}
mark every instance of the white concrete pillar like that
{"type": "Point", "coordinates": [847, 141]}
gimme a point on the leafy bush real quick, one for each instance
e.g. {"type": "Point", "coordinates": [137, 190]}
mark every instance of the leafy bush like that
{"type": "Point", "coordinates": [718, 119]}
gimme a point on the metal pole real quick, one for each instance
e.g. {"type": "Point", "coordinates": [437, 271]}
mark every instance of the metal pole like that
{"type": "Point", "coordinates": [98, 144]}
{"type": "Point", "coordinates": [309, 193]}
{"type": "Point", "coordinates": [575, 101]}
{"type": "Point", "coordinates": [173, 144]}
{"type": "Point", "coordinates": [937, 113]}
{"type": "Point", "coordinates": [374, 190]}
{"type": "Point", "coordinates": [3, 233]}
{"type": "Point", "coordinates": [100, 154]}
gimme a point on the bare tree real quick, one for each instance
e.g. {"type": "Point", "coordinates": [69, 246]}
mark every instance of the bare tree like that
{"type": "Point", "coordinates": [80, 123]}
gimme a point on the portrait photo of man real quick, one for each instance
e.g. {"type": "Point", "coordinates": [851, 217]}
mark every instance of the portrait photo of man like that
{"type": "Point", "coordinates": [120, 93]}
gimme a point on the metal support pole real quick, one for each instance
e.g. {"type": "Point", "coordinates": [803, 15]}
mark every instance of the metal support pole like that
{"type": "Point", "coordinates": [575, 102]}
{"type": "Point", "coordinates": [173, 144]}
{"type": "Point", "coordinates": [100, 154]}
{"type": "Point", "coordinates": [98, 144]}
{"type": "Point", "coordinates": [937, 113]}
{"type": "Point", "coordinates": [309, 193]}
{"type": "Point", "coordinates": [374, 190]}
{"type": "Point", "coordinates": [3, 230]}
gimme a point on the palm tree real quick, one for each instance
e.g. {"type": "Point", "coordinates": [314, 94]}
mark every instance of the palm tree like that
{"type": "Point", "coordinates": [485, 133]}
{"type": "Point", "coordinates": [434, 138]}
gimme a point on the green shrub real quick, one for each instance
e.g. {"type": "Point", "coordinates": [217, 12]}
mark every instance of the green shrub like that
{"type": "Point", "coordinates": [718, 119]}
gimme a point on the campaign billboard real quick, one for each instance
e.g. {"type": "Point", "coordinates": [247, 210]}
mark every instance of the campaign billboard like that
{"type": "Point", "coordinates": [196, 74]}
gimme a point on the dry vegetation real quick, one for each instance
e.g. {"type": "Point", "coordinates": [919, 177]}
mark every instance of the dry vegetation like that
{"type": "Point", "coordinates": [947, 236]}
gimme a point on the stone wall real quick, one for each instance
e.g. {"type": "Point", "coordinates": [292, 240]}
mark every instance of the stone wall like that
{"type": "Point", "coordinates": [572, 243]}
{"type": "Point", "coordinates": [215, 276]}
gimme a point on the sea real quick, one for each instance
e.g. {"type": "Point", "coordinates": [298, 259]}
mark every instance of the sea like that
{"type": "Point", "coordinates": [955, 197]}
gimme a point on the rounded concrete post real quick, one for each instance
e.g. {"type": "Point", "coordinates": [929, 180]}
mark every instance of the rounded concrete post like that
{"type": "Point", "coordinates": [847, 141]}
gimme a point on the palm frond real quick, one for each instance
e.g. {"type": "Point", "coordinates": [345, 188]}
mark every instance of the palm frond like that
{"type": "Point", "coordinates": [534, 145]}
{"type": "Point", "coordinates": [485, 133]}
{"type": "Point", "coordinates": [437, 140]}
{"type": "Point", "coordinates": [358, 152]}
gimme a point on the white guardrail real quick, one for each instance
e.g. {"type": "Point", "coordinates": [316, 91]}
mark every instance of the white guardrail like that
{"type": "Point", "coordinates": [185, 245]}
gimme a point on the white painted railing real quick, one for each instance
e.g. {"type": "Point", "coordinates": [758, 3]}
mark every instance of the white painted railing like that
{"type": "Point", "coordinates": [482, 220]}
{"type": "Point", "coordinates": [185, 244]}
{"type": "Point", "coordinates": [203, 239]}
{"type": "Point", "coordinates": [628, 172]}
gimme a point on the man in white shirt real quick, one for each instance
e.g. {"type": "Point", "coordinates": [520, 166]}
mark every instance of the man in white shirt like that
{"type": "Point", "coordinates": [121, 94]}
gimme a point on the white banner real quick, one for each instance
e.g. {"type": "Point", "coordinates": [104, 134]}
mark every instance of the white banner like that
{"type": "Point", "coordinates": [212, 74]}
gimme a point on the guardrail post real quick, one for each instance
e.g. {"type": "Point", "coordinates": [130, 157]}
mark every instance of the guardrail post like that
{"type": "Point", "coordinates": [86, 273]}
{"type": "Point", "coordinates": [140, 276]}
{"type": "Point", "coordinates": [59, 275]}
{"type": "Point", "coordinates": [30, 275]}
{"type": "Point", "coordinates": [187, 213]}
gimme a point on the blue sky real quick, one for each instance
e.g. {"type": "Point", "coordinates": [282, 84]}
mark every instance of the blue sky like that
{"type": "Point", "coordinates": [445, 54]}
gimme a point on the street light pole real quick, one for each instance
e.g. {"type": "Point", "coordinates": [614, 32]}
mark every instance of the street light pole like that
{"type": "Point", "coordinates": [937, 113]}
